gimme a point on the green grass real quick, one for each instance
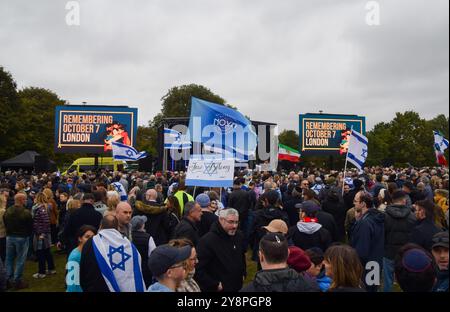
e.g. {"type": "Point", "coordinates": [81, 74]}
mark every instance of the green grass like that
{"type": "Point", "coordinates": [51, 283]}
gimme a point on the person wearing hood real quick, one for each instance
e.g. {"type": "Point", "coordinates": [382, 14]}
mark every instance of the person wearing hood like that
{"type": "Point", "coordinates": [221, 256]}
{"type": "Point", "coordinates": [367, 233]}
{"type": "Point", "coordinates": [308, 232]}
{"type": "Point", "coordinates": [276, 275]}
{"type": "Point", "coordinates": [398, 225]}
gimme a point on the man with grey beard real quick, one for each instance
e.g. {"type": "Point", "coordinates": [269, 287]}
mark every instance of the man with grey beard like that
{"type": "Point", "coordinates": [221, 255]}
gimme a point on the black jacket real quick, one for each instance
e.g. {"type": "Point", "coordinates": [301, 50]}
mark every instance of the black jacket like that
{"type": "Point", "coordinates": [221, 259]}
{"type": "Point", "coordinates": [91, 278]}
{"type": "Point", "coordinates": [240, 200]}
{"type": "Point", "coordinates": [292, 212]}
{"type": "Point", "coordinates": [398, 225]}
{"type": "Point", "coordinates": [368, 237]}
{"type": "Point", "coordinates": [263, 218]}
{"type": "Point", "coordinates": [160, 224]}
{"type": "Point", "coordinates": [85, 215]}
{"type": "Point", "coordinates": [423, 233]}
{"type": "Point", "coordinates": [327, 221]}
{"type": "Point", "coordinates": [337, 209]}
{"type": "Point", "coordinates": [141, 241]}
{"type": "Point", "coordinates": [309, 235]}
{"type": "Point", "coordinates": [279, 280]}
{"type": "Point", "coordinates": [208, 218]}
{"type": "Point", "coordinates": [187, 229]}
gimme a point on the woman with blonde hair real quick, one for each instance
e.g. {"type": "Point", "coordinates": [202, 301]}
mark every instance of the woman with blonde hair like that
{"type": "Point", "coordinates": [53, 213]}
{"type": "Point", "coordinates": [42, 237]}
{"type": "Point", "coordinates": [343, 266]}
{"type": "Point", "coordinates": [112, 200]}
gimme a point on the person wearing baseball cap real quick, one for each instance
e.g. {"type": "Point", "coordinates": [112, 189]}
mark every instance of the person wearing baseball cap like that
{"type": "Point", "coordinates": [208, 215]}
{"type": "Point", "coordinates": [167, 264]}
{"type": "Point", "coordinates": [440, 254]}
{"type": "Point", "coordinates": [308, 233]}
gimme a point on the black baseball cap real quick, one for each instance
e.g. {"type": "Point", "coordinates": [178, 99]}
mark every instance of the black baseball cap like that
{"type": "Point", "coordinates": [166, 256]}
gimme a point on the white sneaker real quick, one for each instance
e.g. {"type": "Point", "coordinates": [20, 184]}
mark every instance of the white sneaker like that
{"type": "Point", "coordinates": [51, 272]}
{"type": "Point", "coordinates": [39, 276]}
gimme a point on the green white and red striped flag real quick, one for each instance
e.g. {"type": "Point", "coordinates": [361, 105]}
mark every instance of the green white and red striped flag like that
{"type": "Point", "coordinates": [288, 153]}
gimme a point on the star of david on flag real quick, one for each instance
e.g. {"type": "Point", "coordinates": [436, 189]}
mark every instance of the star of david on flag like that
{"type": "Point", "coordinates": [124, 257]}
{"type": "Point", "coordinates": [125, 152]}
{"type": "Point", "coordinates": [357, 149]}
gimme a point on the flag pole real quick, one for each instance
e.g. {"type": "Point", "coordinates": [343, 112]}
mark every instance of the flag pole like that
{"type": "Point", "coordinates": [346, 158]}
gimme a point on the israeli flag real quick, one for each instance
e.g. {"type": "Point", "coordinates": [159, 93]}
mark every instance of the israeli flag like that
{"type": "Point", "coordinates": [440, 143]}
{"type": "Point", "coordinates": [121, 190]}
{"type": "Point", "coordinates": [175, 140]}
{"type": "Point", "coordinates": [125, 152]}
{"type": "Point", "coordinates": [357, 149]}
{"type": "Point", "coordinates": [119, 261]}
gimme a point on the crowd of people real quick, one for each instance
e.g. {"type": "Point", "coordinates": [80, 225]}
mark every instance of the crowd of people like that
{"type": "Point", "coordinates": [308, 231]}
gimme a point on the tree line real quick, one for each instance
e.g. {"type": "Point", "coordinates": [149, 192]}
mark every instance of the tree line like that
{"type": "Point", "coordinates": [28, 116]}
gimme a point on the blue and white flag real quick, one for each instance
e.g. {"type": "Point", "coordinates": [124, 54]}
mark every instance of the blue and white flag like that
{"type": "Point", "coordinates": [440, 145]}
{"type": "Point", "coordinates": [173, 139]}
{"type": "Point", "coordinates": [119, 261]}
{"type": "Point", "coordinates": [221, 128]}
{"type": "Point", "coordinates": [121, 190]}
{"type": "Point", "coordinates": [357, 149]}
{"type": "Point", "coordinates": [125, 152]}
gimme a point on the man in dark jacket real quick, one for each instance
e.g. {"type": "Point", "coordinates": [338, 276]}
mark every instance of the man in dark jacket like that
{"type": "Point", "coordinates": [240, 200]}
{"type": "Point", "coordinates": [368, 234]}
{"type": "Point", "coordinates": [425, 228]}
{"type": "Point", "coordinates": [334, 205]}
{"type": "Point", "coordinates": [19, 227]}
{"type": "Point", "coordinates": [144, 244]}
{"type": "Point", "coordinates": [308, 232]}
{"type": "Point", "coordinates": [85, 215]}
{"type": "Point", "coordinates": [440, 254]}
{"type": "Point", "coordinates": [187, 227]}
{"type": "Point", "coordinates": [208, 214]}
{"type": "Point", "coordinates": [264, 216]}
{"type": "Point", "coordinates": [160, 224]}
{"type": "Point", "coordinates": [276, 276]}
{"type": "Point", "coordinates": [289, 206]}
{"type": "Point", "coordinates": [221, 255]}
{"type": "Point", "coordinates": [398, 225]}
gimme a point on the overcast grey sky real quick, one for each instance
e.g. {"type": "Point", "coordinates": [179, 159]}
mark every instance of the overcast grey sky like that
{"type": "Point", "coordinates": [272, 59]}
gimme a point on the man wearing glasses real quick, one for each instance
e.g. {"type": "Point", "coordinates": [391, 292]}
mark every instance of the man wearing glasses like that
{"type": "Point", "coordinates": [168, 266]}
{"type": "Point", "coordinates": [221, 255]}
